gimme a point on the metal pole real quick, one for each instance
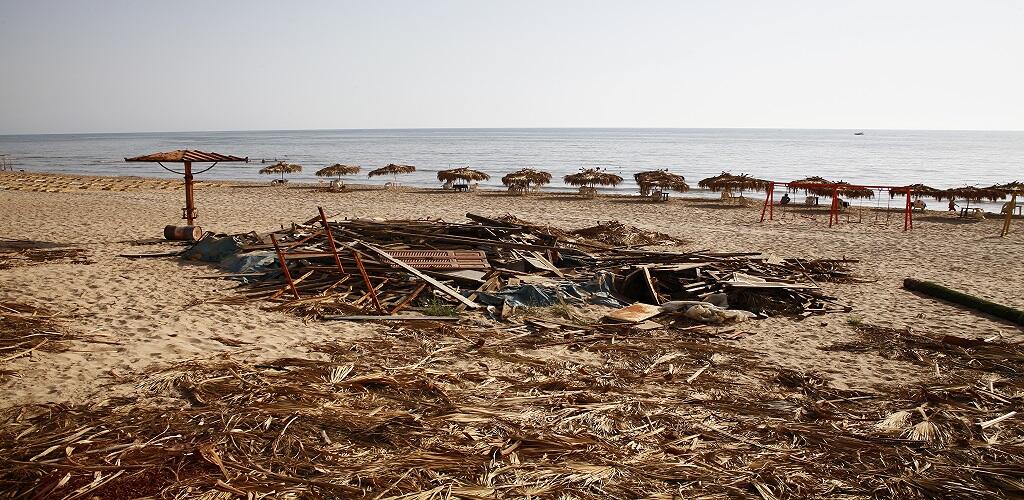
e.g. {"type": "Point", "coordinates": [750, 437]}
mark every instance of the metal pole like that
{"type": "Point", "coordinates": [284, 266]}
{"type": "Point", "coordinates": [330, 240]}
{"type": "Point", "coordinates": [190, 207]}
{"type": "Point", "coordinates": [366, 280]}
{"type": "Point", "coordinates": [908, 214]}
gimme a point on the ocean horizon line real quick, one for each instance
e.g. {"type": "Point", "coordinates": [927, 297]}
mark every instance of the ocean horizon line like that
{"type": "Point", "coordinates": [478, 129]}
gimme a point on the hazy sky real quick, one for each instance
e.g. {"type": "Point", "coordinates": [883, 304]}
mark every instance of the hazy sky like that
{"type": "Point", "coordinates": [122, 66]}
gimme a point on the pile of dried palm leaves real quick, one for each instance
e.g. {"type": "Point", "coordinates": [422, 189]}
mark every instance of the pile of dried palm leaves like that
{"type": "Point", "coordinates": [25, 329]}
{"type": "Point", "coordinates": [16, 253]}
{"type": "Point", "coordinates": [617, 234]}
{"type": "Point", "coordinates": [552, 411]}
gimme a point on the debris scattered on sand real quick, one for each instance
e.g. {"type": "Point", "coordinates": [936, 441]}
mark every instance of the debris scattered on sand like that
{"type": "Point", "coordinates": [16, 253]}
{"type": "Point", "coordinates": [534, 410]}
{"type": "Point", "coordinates": [374, 267]}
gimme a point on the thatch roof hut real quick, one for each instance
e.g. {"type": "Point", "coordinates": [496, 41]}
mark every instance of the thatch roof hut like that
{"type": "Point", "coordinates": [281, 168]}
{"type": "Point", "coordinates": [338, 170]}
{"type": "Point", "coordinates": [662, 179]}
{"type": "Point", "coordinates": [465, 174]}
{"type": "Point", "coordinates": [392, 169]}
{"type": "Point", "coordinates": [727, 182]}
{"type": "Point", "coordinates": [522, 180]}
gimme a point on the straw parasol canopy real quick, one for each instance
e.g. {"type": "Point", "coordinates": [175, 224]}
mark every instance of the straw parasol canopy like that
{"type": "Point", "coordinates": [847, 190]}
{"type": "Point", "coordinates": [521, 180]}
{"type": "Point", "coordinates": [916, 190]}
{"type": "Point", "coordinates": [338, 170]}
{"type": "Point", "coordinates": [462, 174]}
{"type": "Point", "coordinates": [592, 177]}
{"type": "Point", "coordinates": [281, 168]}
{"type": "Point", "coordinates": [660, 179]}
{"type": "Point", "coordinates": [972, 193]}
{"type": "Point", "coordinates": [812, 185]}
{"type": "Point", "coordinates": [392, 169]}
{"type": "Point", "coordinates": [1009, 187]}
{"type": "Point", "coordinates": [727, 182]}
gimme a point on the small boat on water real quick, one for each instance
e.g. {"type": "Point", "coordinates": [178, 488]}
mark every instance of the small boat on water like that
{"type": "Point", "coordinates": [858, 133]}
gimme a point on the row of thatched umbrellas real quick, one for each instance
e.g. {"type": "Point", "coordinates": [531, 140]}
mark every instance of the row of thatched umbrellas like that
{"type": "Point", "coordinates": [664, 180]}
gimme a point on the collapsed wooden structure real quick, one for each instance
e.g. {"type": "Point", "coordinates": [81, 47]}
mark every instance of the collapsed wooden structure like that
{"type": "Point", "coordinates": [364, 267]}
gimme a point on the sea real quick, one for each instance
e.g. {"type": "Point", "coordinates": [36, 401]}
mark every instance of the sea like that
{"type": "Point", "coordinates": [877, 157]}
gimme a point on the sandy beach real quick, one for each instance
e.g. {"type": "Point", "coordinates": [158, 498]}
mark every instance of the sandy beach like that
{"type": "Point", "coordinates": [155, 310]}
{"type": "Point", "coordinates": [136, 316]}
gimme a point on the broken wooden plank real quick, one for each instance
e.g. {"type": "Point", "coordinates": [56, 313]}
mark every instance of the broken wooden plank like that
{"type": "Point", "coordinates": [412, 270]}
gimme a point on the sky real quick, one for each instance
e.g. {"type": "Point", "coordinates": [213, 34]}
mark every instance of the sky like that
{"type": "Point", "coordinates": [138, 66]}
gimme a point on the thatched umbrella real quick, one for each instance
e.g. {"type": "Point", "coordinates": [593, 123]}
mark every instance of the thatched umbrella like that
{"type": "Point", "coordinates": [522, 179]}
{"type": "Point", "coordinates": [972, 193]}
{"type": "Point", "coordinates": [662, 179]}
{"type": "Point", "coordinates": [727, 182]}
{"type": "Point", "coordinates": [589, 178]}
{"type": "Point", "coordinates": [392, 170]}
{"type": "Point", "coordinates": [916, 190]}
{"type": "Point", "coordinates": [465, 174]}
{"type": "Point", "coordinates": [1009, 187]}
{"type": "Point", "coordinates": [281, 168]}
{"type": "Point", "coordinates": [847, 190]}
{"type": "Point", "coordinates": [338, 170]}
{"type": "Point", "coordinates": [812, 185]}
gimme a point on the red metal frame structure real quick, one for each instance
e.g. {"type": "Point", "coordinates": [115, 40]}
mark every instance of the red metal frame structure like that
{"type": "Point", "coordinates": [187, 157]}
{"type": "Point", "coordinates": [833, 214]}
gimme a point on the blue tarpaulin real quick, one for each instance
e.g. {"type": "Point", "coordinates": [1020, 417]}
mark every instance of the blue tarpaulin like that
{"type": "Point", "coordinates": [593, 292]}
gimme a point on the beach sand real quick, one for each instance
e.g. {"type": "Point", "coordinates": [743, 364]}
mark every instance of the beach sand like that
{"type": "Point", "coordinates": [155, 312]}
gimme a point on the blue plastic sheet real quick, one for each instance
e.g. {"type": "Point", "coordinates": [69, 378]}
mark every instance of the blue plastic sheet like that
{"type": "Point", "coordinates": [213, 249]}
{"type": "Point", "coordinates": [597, 291]}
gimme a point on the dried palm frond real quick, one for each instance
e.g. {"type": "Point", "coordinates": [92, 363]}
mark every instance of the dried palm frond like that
{"type": "Point", "coordinates": [897, 421]}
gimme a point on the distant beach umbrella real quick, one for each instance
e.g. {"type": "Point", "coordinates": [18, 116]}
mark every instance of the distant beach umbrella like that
{"type": "Point", "coordinates": [522, 180]}
{"type": "Point", "coordinates": [465, 174]}
{"type": "Point", "coordinates": [338, 170]}
{"type": "Point", "coordinates": [727, 182]}
{"type": "Point", "coordinates": [973, 193]}
{"type": "Point", "coordinates": [847, 190]}
{"type": "Point", "coordinates": [1010, 187]}
{"type": "Point", "coordinates": [662, 179]}
{"type": "Point", "coordinates": [393, 170]}
{"type": "Point", "coordinates": [281, 168]}
{"type": "Point", "coordinates": [592, 177]}
{"type": "Point", "coordinates": [818, 186]}
{"type": "Point", "coordinates": [916, 190]}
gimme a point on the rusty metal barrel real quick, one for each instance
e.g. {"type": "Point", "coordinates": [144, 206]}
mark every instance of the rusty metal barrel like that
{"type": "Point", "coordinates": [183, 233]}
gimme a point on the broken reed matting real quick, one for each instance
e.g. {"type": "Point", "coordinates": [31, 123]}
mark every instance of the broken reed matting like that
{"type": "Point", "coordinates": [425, 411]}
{"type": "Point", "coordinates": [514, 249]}
{"type": "Point", "coordinates": [17, 253]}
{"type": "Point", "coordinates": [25, 329]}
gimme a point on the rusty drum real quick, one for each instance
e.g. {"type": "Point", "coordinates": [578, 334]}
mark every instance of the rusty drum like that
{"type": "Point", "coordinates": [183, 233]}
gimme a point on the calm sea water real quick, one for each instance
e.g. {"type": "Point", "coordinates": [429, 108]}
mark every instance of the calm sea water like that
{"type": "Point", "coordinates": [937, 158]}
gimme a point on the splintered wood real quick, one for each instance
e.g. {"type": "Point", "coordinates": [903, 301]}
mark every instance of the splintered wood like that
{"type": "Point", "coordinates": [369, 267]}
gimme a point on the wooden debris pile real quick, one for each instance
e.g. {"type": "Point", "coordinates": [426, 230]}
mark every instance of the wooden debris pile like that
{"type": "Point", "coordinates": [607, 411]}
{"type": "Point", "coordinates": [369, 267]}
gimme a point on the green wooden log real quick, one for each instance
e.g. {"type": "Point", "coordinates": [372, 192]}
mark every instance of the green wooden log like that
{"type": "Point", "coordinates": [938, 291]}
